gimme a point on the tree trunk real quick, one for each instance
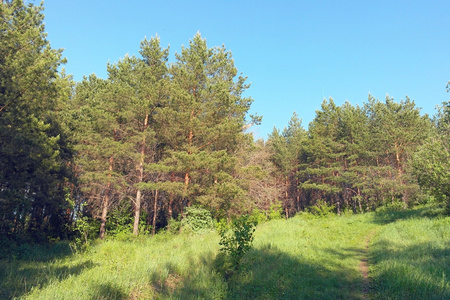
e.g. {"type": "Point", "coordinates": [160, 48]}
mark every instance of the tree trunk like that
{"type": "Point", "coordinates": [155, 213]}
{"type": "Point", "coordinates": [137, 207]}
{"type": "Point", "coordinates": [137, 212]}
{"type": "Point", "coordinates": [338, 205]}
{"type": "Point", "coordinates": [170, 207]}
{"type": "Point", "coordinates": [106, 201]}
{"type": "Point", "coordinates": [287, 199]}
{"type": "Point", "coordinates": [104, 215]}
{"type": "Point", "coordinates": [359, 201]}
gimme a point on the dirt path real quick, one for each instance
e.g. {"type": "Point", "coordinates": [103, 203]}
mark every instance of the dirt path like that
{"type": "Point", "coordinates": [364, 265]}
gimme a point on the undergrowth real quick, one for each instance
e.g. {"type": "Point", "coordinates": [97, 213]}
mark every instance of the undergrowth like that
{"type": "Point", "coordinates": [305, 257]}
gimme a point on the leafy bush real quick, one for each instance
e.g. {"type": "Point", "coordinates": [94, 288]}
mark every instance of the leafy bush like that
{"type": "Point", "coordinates": [321, 209]}
{"type": "Point", "coordinates": [237, 240]}
{"type": "Point", "coordinates": [120, 221]}
{"type": "Point", "coordinates": [197, 220]}
{"type": "Point", "coordinates": [275, 211]}
{"type": "Point", "coordinates": [85, 230]}
{"type": "Point", "coordinates": [174, 226]}
{"type": "Point", "coordinates": [391, 207]}
{"type": "Point", "coordinates": [258, 216]}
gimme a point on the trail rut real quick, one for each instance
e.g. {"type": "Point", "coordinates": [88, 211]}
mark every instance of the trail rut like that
{"type": "Point", "coordinates": [364, 265]}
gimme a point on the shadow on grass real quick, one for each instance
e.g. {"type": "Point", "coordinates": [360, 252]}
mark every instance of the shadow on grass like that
{"type": "Point", "coordinates": [389, 215]}
{"type": "Point", "coordinates": [273, 274]}
{"type": "Point", "coordinates": [108, 291]}
{"type": "Point", "coordinates": [45, 252]}
{"type": "Point", "coordinates": [17, 278]}
{"type": "Point", "coordinates": [201, 282]}
{"type": "Point", "coordinates": [420, 271]}
{"type": "Point", "coordinates": [265, 273]}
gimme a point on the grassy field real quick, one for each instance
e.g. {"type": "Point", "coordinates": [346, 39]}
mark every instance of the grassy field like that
{"type": "Point", "coordinates": [408, 253]}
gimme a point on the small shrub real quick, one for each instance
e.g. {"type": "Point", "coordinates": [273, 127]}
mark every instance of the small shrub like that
{"type": "Point", "coordinates": [221, 225]}
{"type": "Point", "coordinates": [197, 220]}
{"type": "Point", "coordinates": [237, 240]}
{"type": "Point", "coordinates": [224, 265]}
{"type": "Point", "coordinates": [257, 216]}
{"type": "Point", "coordinates": [174, 226]}
{"type": "Point", "coordinates": [321, 209]}
{"type": "Point", "coordinates": [396, 206]}
{"type": "Point", "coordinates": [120, 222]}
{"type": "Point", "coordinates": [275, 211]}
{"type": "Point", "coordinates": [85, 230]}
{"type": "Point", "coordinates": [348, 211]}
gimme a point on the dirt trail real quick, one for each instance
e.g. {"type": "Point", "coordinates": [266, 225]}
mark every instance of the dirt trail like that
{"type": "Point", "coordinates": [364, 264]}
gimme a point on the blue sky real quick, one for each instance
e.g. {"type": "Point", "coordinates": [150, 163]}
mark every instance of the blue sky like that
{"type": "Point", "coordinates": [295, 53]}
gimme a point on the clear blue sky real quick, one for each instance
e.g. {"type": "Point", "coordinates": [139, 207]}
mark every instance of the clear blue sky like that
{"type": "Point", "coordinates": [295, 53]}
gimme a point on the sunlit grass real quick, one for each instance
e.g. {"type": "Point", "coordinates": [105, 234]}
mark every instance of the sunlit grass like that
{"type": "Point", "coordinates": [160, 267]}
{"type": "Point", "coordinates": [300, 258]}
{"type": "Point", "coordinates": [305, 258]}
{"type": "Point", "coordinates": [411, 259]}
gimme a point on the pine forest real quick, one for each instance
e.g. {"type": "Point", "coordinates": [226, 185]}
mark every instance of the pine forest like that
{"type": "Point", "coordinates": [165, 146]}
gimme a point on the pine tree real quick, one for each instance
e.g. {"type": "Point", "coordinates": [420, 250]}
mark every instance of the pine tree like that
{"type": "Point", "coordinates": [431, 162]}
{"type": "Point", "coordinates": [142, 84]}
{"type": "Point", "coordinates": [34, 151]}
{"type": "Point", "coordinates": [397, 129]}
{"type": "Point", "coordinates": [203, 122]}
{"type": "Point", "coordinates": [287, 150]}
{"type": "Point", "coordinates": [101, 144]}
{"type": "Point", "coordinates": [324, 152]}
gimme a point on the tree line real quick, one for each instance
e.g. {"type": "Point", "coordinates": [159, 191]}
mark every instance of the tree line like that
{"type": "Point", "coordinates": [133, 151]}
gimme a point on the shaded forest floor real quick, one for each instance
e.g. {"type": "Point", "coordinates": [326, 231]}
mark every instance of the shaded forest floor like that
{"type": "Point", "coordinates": [386, 255]}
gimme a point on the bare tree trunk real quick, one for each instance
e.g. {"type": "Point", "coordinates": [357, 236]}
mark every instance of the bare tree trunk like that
{"type": "Point", "coordinates": [170, 207]}
{"type": "Point", "coordinates": [106, 201]}
{"type": "Point", "coordinates": [287, 199]}
{"type": "Point", "coordinates": [359, 201]}
{"type": "Point", "coordinates": [338, 205]}
{"type": "Point", "coordinates": [155, 213]}
{"type": "Point", "coordinates": [297, 182]}
{"type": "Point", "coordinates": [137, 212]}
{"type": "Point", "coordinates": [137, 208]}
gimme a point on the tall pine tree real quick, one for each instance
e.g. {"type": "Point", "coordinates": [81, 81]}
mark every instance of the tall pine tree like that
{"type": "Point", "coordinates": [34, 152]}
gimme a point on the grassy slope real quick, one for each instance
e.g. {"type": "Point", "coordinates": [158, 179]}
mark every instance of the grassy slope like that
{"type": "Point", "coordinates": [294, 259]}
{"type": "Point", "coordinates": [411, 259]}
{"type": "Point", "coordinates": [305, 258]}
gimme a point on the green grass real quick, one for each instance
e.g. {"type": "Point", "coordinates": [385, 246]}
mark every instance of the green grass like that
{"type": "Point", "coordinates": [305, 259]}
{"type": "Point", "coordinates": [411, 259]}
{"type": "Point", "coordinates": [301, 258]}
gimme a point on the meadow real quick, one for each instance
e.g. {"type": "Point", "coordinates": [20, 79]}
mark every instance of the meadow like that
{"type": "Point", "coordinates": [404, 253]}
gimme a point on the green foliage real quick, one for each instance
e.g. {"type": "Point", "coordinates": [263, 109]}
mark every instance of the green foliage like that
{"type": "Point", "coordinates": [395, 206]}
{"type": "Point", "coordinates": [257, 216]}
{"type": "Point", "coordinates": [120, 221]}
{"type": "Point", "coordinates": [197, 220]}
{"type": "Point", "coordinates": [275, 211]}
{"type": "Point", "coordinates": [174, 226]}
{"type": "Point", "coordinates": [237, 240]}
{"type": "Point", "coordinates": [176, 132]}
{"type": "Point", "coordinates": [322, 209]}
{"type": "Point", "coordinates": [34, 150]}
{"type": "Point", "coordinates": [296, 258]}
{"type": "Point", "coordinates": [431, 162]}
{"type": "Point", "coordinates": [221, 225]}
{"type": "Point", "coordinates": [85, 230]}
